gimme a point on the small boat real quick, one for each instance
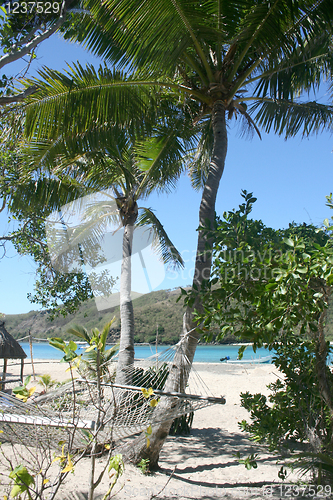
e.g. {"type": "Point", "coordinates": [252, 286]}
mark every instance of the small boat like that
{"type": "Point", "coordinates": [82, 345]}
{"type": "Point", "coordinates": [265, 359]}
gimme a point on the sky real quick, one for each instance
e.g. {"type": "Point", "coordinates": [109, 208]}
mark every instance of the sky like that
{"type": "Point", "coordinates": [289, 178]}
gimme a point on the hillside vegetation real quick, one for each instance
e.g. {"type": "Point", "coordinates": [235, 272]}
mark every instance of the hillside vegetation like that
{"type": "Point", "coordinates": [153, 311]}
{"type": "Point", "coordinates": [156, 310]}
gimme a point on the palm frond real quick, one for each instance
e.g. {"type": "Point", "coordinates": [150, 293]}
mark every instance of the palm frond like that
{"type": "Point", "coordinates": [105, 333]}
{"type": "Point", "coordinates": [160, 158]}
{"type": "Point", "coordinates": [75, 233]}
{"type": "Point", "coordinates": [43, 195]}
{"type": "Point", "coordinates": [307, 462]}
{"type": "Point", "coordinates": [97, 158]}
{"type": "Point", "coordinates": [259, 28]}
{"type": "Point", "coordinates": [162, 244]}
{"type": "Point", "coordinates": [275, 30]}
{"type": "Point", "coordinates": [97, 218]}
{"type": "Point", "coordinates": [79, 331]}
{"type": "Point", "coordinates": [83, 98]}
{"type": "Point", "coordinates": [304, 68]}
{"type": "Point", "coordinates": [89, 363]}
{"type": "Point", "coordinates": [154, 36]}
{"type": "Point", "coordinates": [248, 125]}
{"type": "Point", "coordinates": [289, 118]}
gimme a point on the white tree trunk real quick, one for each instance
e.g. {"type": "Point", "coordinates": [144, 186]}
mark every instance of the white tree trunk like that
{"type": "Point", "coordinates": [179, 373]}
{"type": "Point", "coordinates": [126, 348]}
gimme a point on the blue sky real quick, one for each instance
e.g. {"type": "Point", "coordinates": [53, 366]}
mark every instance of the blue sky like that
{"type": "Point", "coordinates": [289, 178]}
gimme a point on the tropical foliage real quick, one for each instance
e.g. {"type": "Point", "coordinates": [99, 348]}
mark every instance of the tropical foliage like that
{"type": "Point", "coordinates": [22, 29]}
{"type": "Point", "coordinates": [256, 268]}
{"type": "Point", "coordinates": [273, 287]}
{"type": "Point", "coordinates": [90, 365]}
{"type": "Point", "coordinates": [62, 293]}
{"type": "Point", "coordinates": [294, 410]}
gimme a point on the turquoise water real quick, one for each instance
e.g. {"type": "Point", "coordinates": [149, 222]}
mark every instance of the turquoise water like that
{"type": "Point", "coordinates": [203, 354]}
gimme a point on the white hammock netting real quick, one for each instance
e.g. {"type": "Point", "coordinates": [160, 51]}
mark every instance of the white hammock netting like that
{"type": "Point", "coordinates": [77, 412]}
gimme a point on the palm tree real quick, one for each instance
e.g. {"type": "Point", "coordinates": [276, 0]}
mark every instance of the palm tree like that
{"type": "Point", "coordinates": [108, 161]}
{"type": "Point", "coordinates": [217, 60]}
{"type": "Point", "coordinates": [97, 358]}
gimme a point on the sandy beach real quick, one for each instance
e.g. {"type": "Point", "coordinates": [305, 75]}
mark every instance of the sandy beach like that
{"type": "Point", "coordinates": [202, 464]}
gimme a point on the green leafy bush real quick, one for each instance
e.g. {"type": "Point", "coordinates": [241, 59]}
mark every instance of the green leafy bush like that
{"type": "Point", "coordinates": [294, 411]}
{"type": "Point", "coordinates": [182, 425]}
{"type": "Point", "coordinates": [272, 287]}
{"type": "Point", "coordinates": [152, 377]}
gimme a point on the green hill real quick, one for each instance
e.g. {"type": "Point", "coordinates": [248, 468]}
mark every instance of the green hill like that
{"type": "Point", "coordinates": [156, 310]}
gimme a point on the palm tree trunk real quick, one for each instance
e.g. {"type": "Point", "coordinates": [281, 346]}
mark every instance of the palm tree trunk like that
{"type": "Point", "coordinates": [126, 348]}
{"type": "Point", "coordinates": [203, 260]}
{"type": "Point", "coordinates": [179, 373]}
{"type": "Point", "coordinates": [322, 370]}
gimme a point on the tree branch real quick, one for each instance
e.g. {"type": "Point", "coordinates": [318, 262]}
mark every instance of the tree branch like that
{"type": "Point", "coordinates": [27, 38]}
{"type": "Point", "coordinates": [18, 97]}
{"type": "Point", "coordinates": [3, 205]}
{"type": "Point", "coordinates": [20, 232]}
{"type": "Point", "coordinates": [15, 55]}
{"type": "Point", "coordinates": [7, 238]}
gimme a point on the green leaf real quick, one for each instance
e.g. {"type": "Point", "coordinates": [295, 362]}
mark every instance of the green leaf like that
{"type": "Point", "coordinates": [270, 286]}
{"type": "Point", "coordinates": [241, 351]}
{"type": "Point", "coordinates": [306, 256]}
{"type": "Point", "coordinates": [117, 464]}
{"type": "Point", "coordinates": [69, 356]}
{"type": "Point", "coordinates": [22, 478]}
{"type": "Point", "coordinates": [79, 331]}
{"type": "Point", "coordinates": [289, 242]}
{"type": "Point", "coordinates": [91, 348]}
{"type": "Point", "coordinates": [329, 280]}
{"type": "Point", "coordinates": [72, 345]}
{"type": "Point", "coordinates": [86, 433]}
{"type": "Point", "coordinates": [17, 490]}
{"type": "Point", "coordinates": [57, 343]}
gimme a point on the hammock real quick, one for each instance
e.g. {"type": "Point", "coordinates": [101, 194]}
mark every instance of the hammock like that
{"type": "Point", "coordinates": [29, 424]}
{"type": "Point", "coordinates": [78, 411]}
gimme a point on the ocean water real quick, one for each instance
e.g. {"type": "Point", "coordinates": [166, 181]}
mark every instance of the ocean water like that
{"type": "Point", "coordinates": [203, 354]}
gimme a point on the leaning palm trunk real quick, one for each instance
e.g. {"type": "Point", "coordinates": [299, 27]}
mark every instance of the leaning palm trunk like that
{"type": "Point", "coordinates": [179, 371]}
{"type": "Point", "coordinates": [126, 348]}
{"type": "Point", "coordinates": [322, 352]}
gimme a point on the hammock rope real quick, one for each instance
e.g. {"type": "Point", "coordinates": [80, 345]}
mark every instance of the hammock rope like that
{"type": "Point", "coordinates": [124, 409]}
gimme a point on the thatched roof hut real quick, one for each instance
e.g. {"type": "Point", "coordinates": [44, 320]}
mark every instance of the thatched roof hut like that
{"type": "Point", "coordinates": [9, 349]}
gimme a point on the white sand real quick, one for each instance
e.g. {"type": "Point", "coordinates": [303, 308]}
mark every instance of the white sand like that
{"type": "Point", "coordinates": [205, 463]}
